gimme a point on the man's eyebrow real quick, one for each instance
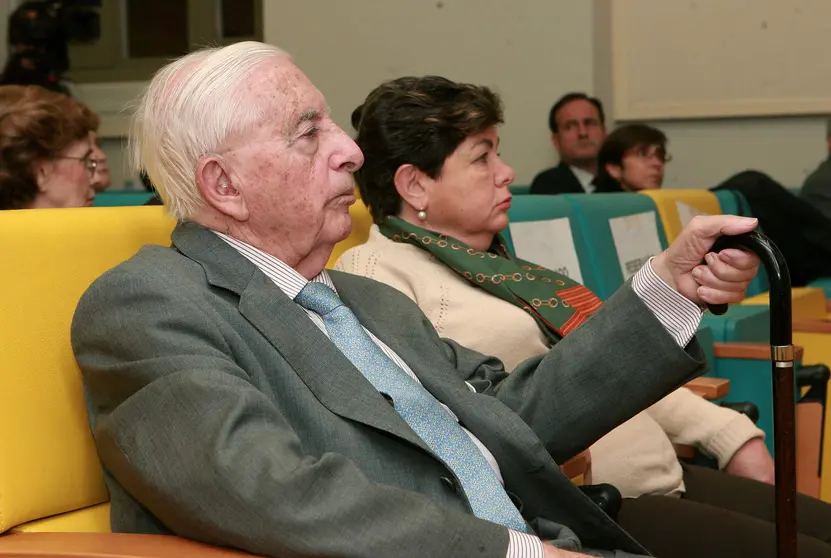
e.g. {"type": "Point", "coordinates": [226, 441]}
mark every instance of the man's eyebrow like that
{"type": "Point", "coordinates": [308, 115]}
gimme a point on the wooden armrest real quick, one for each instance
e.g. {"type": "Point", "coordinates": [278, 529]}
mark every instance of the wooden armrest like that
{"type": "Point", "coordinates": [684, 451]}
{"type": "Point", "coordinates": [812, 326]}
{"type": "Point", "coordinates": [109, 545]}
{"type": "Point", "coordinates": [709, 388]}
{"type": "Point", "coordinates": [578, 465]}
{"type": "Point", "coordinates": [750, 351]}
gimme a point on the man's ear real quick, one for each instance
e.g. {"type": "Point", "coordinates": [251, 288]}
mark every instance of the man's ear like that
{"type": "Point", "coordinates": [218, 189]}
{"type": "Point", "coordinates": [409, 183]}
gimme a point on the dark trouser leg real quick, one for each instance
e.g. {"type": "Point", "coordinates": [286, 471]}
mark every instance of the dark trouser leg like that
{"type": "Point", "coordinates": [756, 499]}
{"type": "Point", "coordinates": [675, 528]}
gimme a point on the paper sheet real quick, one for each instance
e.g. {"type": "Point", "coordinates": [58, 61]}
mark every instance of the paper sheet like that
{"type": "Point", "coordinates": [636, 240]}
{"type": "Point", "coordinates": [549, 244]}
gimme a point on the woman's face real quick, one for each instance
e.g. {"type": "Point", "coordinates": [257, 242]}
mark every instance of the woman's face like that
{"type": "Point", "coordinates": [101, 181]}
{"type": "Point", "coordinates": [470, 199]}
{"type": "Point", "coordinates": [642, 168]}
{"type": "Point", "coordinates": [66, 180]}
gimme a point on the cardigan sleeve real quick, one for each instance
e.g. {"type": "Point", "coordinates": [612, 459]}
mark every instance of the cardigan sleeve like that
{"type": "Point", "coordinates": [689, 419]}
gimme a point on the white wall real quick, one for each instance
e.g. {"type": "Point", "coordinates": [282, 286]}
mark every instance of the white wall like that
{"type": "Point", "coordinates": [530, 51]}
{"type": "Point", "coordinates": [705, 152]}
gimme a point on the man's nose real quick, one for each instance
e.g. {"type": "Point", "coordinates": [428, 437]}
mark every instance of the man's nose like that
{"type": "Point", "coordinates": [348, 156]}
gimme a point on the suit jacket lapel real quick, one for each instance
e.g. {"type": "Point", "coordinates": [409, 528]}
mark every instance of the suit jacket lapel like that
{"type": "Point", "coordinates": [501, 430]}
{"type": "Point", "coordinates": [574, 185]}
{"type": "Point", "coordinates": [333, 379]}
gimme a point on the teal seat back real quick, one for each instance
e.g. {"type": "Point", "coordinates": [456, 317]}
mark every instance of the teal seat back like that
{"type": "Point", "coordinates": [520, 189]}
{"type": "Point", "coordinates": [749, 379]}
{"type": "Point", "coordinates": [727, 201]}
{"type": "Point", "coordinates": [600, 218]}
{"type": "Point", "coordinates": [121, 198]}
{"type": "Point", "coordinates": [542, 230]}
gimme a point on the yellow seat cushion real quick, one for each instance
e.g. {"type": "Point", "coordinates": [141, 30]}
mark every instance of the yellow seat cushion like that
{"type": "Point", "coordinates": [48, 461]}
{"type": "Point", "coordinates": [94, 519]}
{"type": "Point", "coordinates": [807, 303]}
{"type": "Point", "coordinates": [677, 207]}
{"type": "Point", "coordinates": [361, 223]}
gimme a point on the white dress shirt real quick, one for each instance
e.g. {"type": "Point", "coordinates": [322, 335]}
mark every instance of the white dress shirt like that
{"type": "Point", "coordinates": [676, 313]}
{"type": "Point", "coordinates": [585, 178]}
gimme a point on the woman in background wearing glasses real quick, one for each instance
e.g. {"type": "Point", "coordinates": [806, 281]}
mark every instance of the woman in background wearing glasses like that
{"type": "Point", "coordinates": [47, 149]}
{"type": "Point", "coordinates": [632, 158]}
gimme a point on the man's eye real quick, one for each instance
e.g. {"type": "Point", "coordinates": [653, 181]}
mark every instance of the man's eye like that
{"type": "Point", "coordinates": [484, 157]}
{"type": "Point", "coordinates": [312, 132]}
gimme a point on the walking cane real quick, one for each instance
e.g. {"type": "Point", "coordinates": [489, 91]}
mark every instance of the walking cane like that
{"type": "Point", "coordinates": [782, 355]}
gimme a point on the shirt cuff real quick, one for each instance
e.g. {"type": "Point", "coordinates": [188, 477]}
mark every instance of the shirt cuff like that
{"type": "Point", "coordinates": [679, 315]}
{"type": "Point", "coordinates": [523, 545]}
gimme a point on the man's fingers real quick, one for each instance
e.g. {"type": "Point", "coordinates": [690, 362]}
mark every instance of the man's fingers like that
{"type": "Point", "coordinates": [705, 277]}
{"type": "Point", "coordinates": [713, 226]}
{"type": "Point", "coordinates": [723, 268]}
{"type": "Point", "coordinates": [714, 296]}
{"type": "Point", "coordinates": [739, 259]}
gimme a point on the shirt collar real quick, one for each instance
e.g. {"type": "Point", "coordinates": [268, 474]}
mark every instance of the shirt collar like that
{"type": "Point", "coordinates": [585, 178]}
{"type": "Point", "coordinates": [281, 274]}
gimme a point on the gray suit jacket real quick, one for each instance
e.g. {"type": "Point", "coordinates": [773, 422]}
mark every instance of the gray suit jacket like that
{"type": "Point", "coordinates": [222, 414]}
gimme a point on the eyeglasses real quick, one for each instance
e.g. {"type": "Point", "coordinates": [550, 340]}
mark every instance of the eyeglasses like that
{"type": "Point", "coordinates": [89, 163]}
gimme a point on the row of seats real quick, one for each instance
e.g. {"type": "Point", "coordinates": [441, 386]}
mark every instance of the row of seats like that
{"type": "Point", "coordinates": [602, 240]}
{"type": "Point", "coordinates": [50, 477]}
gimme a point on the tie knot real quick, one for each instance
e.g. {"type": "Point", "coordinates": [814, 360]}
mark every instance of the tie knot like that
{"type": "Point", "coordinates": [318, 298]}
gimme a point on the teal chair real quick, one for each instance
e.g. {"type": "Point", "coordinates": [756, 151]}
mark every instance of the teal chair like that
{"type": "Point", "coordinates": [535, 222]}
{"type": "Point", "coordinates": [520, 190]}
{"type": "Point", "coordinates": [594, 215]}
{"type": "Point", "coordinates": [749, 378]}
{"type": "Point", "coordinates": [120, 198]}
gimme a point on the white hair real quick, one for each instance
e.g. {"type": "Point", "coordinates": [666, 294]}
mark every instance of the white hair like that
{"type": "Point", "coordinates": [190, 108]}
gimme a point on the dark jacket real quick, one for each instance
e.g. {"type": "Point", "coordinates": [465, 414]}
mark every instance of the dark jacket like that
{"type": "Point", "coordinates": [557, 180]}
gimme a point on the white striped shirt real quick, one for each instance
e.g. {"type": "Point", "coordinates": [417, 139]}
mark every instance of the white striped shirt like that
{"type": "Point", "coordinates": [676, 313]}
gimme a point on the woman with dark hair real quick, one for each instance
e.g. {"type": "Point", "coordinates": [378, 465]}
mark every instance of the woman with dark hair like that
{"type": "Point", "coordinates": [47, 149]}
{"type": "Point", "coordinates": [632, 158]}
{"type": "Point", "coordinates": [438, 193]}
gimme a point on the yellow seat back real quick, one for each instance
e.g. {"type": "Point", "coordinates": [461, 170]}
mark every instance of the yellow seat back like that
{"type": "Point", "coordinates": [677, 207]}
{"type": "Point", "coordinates": [361, 223]}
{"type": "Point", "coordinates": [48, 463]}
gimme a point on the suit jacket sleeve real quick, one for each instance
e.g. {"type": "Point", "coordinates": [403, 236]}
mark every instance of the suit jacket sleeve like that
{"type": "Point", "coordinates": [618, 363]}
{"type": "Point", "coordinates": [183, 430]}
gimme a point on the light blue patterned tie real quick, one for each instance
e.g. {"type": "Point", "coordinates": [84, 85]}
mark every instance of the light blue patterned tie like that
{"type": "Point", "coordinates": [425, 415]}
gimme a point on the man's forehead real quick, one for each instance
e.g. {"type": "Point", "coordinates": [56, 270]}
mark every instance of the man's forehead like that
{"type": "Point", "coordinates": [578, 108]}
{"type": "Point", "coordinates": [284, 88]}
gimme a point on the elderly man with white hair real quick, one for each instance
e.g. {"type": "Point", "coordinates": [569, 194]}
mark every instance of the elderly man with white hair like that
{"type": "Point", "coordinates": [244, 396]}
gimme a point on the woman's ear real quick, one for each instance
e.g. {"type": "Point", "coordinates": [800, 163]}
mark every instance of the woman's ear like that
{"type": "Point", "coordinates": [409, 184]}
{"type": "Point", "coordinates": [615, 171]}
{"type": "Point", "coordinates": [41, 171]}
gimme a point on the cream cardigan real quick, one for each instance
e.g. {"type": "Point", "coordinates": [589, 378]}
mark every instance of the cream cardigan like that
{"type": "Point", "coordinates": [638, 456]}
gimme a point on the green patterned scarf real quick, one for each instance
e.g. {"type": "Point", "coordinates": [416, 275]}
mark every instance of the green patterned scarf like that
{"type": "Point", "coordinates": [557, 303]}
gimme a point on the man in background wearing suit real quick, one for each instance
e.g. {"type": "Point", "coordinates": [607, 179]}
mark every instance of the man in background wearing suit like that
{"type": "Point", "coordinates": [244, 396]}
{"type": "Point", "coordinates": [578, 128]}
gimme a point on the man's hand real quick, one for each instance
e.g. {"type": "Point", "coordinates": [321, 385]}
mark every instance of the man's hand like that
{"type": "Point", "coordinates": [725, 276]}
{"type": "Point", "coordinates": [752, 461]}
